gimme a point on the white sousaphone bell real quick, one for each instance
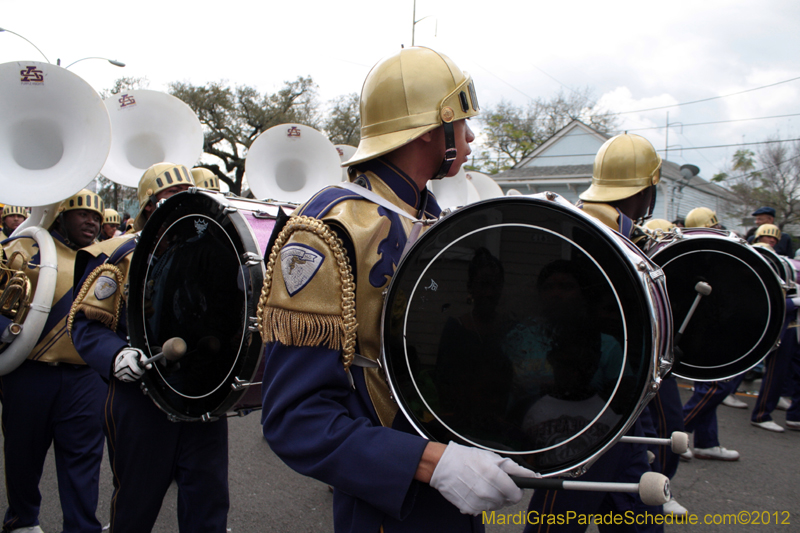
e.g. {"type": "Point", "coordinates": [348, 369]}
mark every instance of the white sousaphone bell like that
{"type": "Point", "coordinates": [55, 135]}
{"type": "Point", "coordinates": [455, 191]}
{"type": "Point", "coordinates": [291, 162]}
{"type": "Point", "coordinates": [346, 153]}
{"type": "Point", "coordinates": [486, 186]}
{"type": "Point", "coordinates": [150, 127]}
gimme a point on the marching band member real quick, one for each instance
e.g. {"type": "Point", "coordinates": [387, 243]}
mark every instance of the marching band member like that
{"type": "Point", "coordinates": [12, 217]}
{"type": "Point", "coordinates": [769, 234]}
{"type": "Point", "coordinates": [779, 362]}
{"type": "Point", "coordinates": [325, 414]}
{"type": "Point", "coordinates": [626, 171]}
{"type": "Point", "coordinates": [766, 215]}
{"type": "Point", "coordinates": [700, 411]}
{"type": "Point", "coordinates": [146, 451]}
{"type": "Point", "coordinates": [205, 179]}
{"type": "Point", "coordinates": [53, 397]}
{"type": "Point", "coordinates": [110, 228]}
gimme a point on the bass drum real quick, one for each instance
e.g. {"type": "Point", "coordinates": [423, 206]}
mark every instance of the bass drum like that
{"type": "Point", "coordinates": [522, 326]}
{"type": "Point", "coordinates": [739, 322]}
{"type": "Point", "coordinates": [197, 274]}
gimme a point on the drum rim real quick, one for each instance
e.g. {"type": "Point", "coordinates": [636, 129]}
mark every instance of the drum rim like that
{"type": "Point", "coordinates": [256, 278]}
{"type": "Point", "coordinates": [648, 274]}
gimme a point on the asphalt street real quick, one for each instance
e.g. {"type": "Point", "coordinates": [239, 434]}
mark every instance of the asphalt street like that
{"type": "Point", "coordinates": [266, 496]}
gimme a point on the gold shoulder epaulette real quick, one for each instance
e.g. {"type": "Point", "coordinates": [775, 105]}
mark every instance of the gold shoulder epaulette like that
{"type": "Point", "coordinates": [299, 304]}
{"type": "Point", "coordinates": [100, 297]}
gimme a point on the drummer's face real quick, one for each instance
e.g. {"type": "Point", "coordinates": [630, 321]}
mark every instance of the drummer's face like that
{"type": "Point", "coordinates": [163, 195]}
{"type": "Point", "coordinates": [463, 137]}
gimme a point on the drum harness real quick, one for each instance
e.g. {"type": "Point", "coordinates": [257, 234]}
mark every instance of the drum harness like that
{"type": "Point", "coordinates": [360, 360]}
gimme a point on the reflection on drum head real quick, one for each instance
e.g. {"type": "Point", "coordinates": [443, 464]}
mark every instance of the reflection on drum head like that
{"type": "Point", "coordinates": [194, 280]}
{"type": "Point", "coordinates": [196, 274]}
{"type": "Point", "coordinates": [519, 329]}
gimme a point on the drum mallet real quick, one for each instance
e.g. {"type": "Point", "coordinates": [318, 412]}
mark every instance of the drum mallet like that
{"type": "Point", "coordinates": [678, 442]}
{"type": "Point", "coordinates": [703, 289]}
{"type": "Point", "coordinates": [173, 349]}
{"type": "Point", "coordinates": [653, 487]}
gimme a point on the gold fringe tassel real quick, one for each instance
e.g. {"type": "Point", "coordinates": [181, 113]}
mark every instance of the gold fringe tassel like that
{"type": "Point", "coordinates": [295, 328]}
{"type": "Point", "coordinates": [93, 313]}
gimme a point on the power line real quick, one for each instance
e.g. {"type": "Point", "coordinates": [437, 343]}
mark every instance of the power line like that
{"type": "Point", "coordinates": [692, 148]}
{"type": "Point", "coordinates": [702, 100]}
{"type": "Point", "coordinates": [715, 122]}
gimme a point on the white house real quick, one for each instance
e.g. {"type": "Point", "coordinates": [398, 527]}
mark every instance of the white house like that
{"type": "Point", "coordinates": [563, 164]}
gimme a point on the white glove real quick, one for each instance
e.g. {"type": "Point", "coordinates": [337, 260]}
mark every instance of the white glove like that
{"type": "Point", "coordinates": [796, 301]}
{"type": "Point", "coordinates": [127, 365]}
{"type": "Point", "coordinates": [476, 480]}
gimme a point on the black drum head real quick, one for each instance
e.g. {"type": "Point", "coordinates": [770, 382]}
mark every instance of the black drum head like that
{"type": "Point", "coordinates": [738, 323]}
{"type": "Point", "coordinates": [189, 279]}
{"type": "Point", "coordinates": [518, 326]}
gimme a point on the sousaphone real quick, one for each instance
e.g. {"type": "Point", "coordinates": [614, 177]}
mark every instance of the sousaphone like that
{"type": "Point", "coordinates": [291, 162]}
{"type": "Point", "coordinates": [346, 153]}
{"type": "Point", "coordinates": [150, 127]}
{"type": "Point", "coordinates": [486, 186]}
{"type": "Point", "coordinates": [55, 135]}
{"type": "Point", "coordinates": [455, 191]}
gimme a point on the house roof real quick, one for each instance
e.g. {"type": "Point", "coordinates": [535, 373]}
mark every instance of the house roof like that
{"type": "Point", "coordinates": [526, 173]}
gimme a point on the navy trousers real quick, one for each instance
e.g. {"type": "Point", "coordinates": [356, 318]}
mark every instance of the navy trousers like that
{"type": "Point", "coordinates": [147, 452]}
{"type": "Point", "coordinates": [46, 405]}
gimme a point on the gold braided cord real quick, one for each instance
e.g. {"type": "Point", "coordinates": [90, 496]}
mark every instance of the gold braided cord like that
{"type": "Point", "coordinates": [305, 329]}
{"type": "Point", "coordinates": [109, 319]}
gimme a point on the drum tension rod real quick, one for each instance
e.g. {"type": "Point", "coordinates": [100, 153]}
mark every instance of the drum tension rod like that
{"type": "Point", "coordinates": [251, 259]}
{"type": "Point", "coordinates": [239, 384]}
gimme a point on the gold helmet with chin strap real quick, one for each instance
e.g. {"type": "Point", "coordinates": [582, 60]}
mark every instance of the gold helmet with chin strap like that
{"type": "Point", "coordinates": [701, 217]}
{"type": "Point", "coordinates": [14, 210]}
{"type": "Point", "coordinates": [111, 217]}
{"type": "Point", "coordinates": [155, 179]}
{"type": "Point", "coordinates": [768, 230]}
{"type": "Point", "coordinates": [625, 165]}
{"type": "Point", "coordinates": [84, 199]}
{"type": "Point", "coordinates": [409, 94]}
{"type": "Point", "coordinates": [205, 179]}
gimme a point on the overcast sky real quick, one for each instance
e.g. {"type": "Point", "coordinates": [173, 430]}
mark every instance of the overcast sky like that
{"type": "Point", "coordinates": [633, 55]}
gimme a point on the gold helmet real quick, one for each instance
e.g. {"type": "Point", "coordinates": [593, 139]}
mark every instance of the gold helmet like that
{"type": "Point", "coordinates": [14, 210]}
{"type": "Point", "coordinates": [659, 224]}
{"type": "Point", "coordinates": [625, 165]}
{"type": "Point", "coordinates": [768, 230]}
{"type": "Point", "coordinates": [205, 179]}
{"type": "Point", "coordinates": [84, 199]}
{"type": "Point", "coordinates": [407, 95]}
{"type": "Point", "coordinates": [701, 217]}
{"type": "Point", "coordinates": [155, 179]}
{"type": "Point", "coordinates": [111, 217]}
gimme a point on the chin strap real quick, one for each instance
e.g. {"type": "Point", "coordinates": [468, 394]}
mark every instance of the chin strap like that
{"type": "Point", "coordinates": [450, 151]}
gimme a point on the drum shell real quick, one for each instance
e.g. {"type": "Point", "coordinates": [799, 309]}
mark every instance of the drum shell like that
{"type": "Point", "coordinates": [740, 322]}
{"type": "Point", "coordinates": [197, 274]}
{"type": "Point", "coordinates": [502, 225]}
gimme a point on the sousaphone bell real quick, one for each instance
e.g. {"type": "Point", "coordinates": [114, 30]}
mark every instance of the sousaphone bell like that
{"type": "Point", "coordinates": [55, 135]}
{"type": "Point", "coordinates": [291, 162]}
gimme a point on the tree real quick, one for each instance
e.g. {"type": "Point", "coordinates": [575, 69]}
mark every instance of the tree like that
{"type": "Point", "coordinates": [770, 178]}
{"type": "Point", "coordinates": [511, 133]}
{"type": "Point", "coordinates": [116, 196]}
{"type": "Point", "coordinates": [343, 124]}
{"type": "Point", "coordinates": [234, 117]}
